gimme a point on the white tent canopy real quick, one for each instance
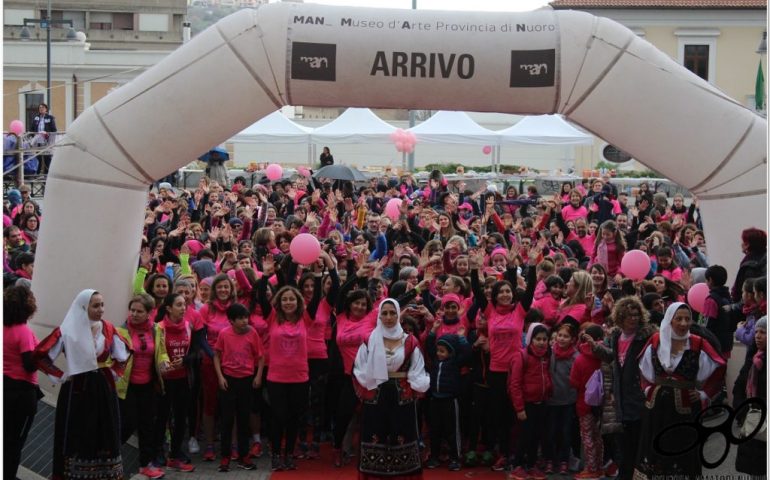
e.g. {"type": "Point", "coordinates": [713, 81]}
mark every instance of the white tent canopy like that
{"type": "Point", "coordinates": [355, 125]}
{"type": "Point", "coordinates": [453, 127]}
{"type": "Point", "coordinates": [274, 128]}
{"type": "Point", "coordinates": [544, 130]}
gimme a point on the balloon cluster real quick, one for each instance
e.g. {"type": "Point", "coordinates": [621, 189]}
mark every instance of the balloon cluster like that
{"type": "Point", "coordinates": [16, 127]}
{"type": "Point", "coordinates": [403, 140]}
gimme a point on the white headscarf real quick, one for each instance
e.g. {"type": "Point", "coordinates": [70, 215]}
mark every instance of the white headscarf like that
{"type": "Point", "coordinates": [376, 368]}
{"type": "Point", "coordinates": [667, 334]}
{"type": "Point", "coordinates": [78, 333]}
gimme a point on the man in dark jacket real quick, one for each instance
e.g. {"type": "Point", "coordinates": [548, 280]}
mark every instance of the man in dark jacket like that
{"type": "Point", "coordinates": [448, 354]}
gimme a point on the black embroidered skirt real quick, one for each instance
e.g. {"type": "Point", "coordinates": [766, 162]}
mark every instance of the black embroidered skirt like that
{"type": "Point", "coordinates": [87, 435]}
{"type": "Point", "coordinates": [389, 447]}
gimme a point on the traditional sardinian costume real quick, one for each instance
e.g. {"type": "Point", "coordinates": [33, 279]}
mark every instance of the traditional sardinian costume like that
{"type": "Point", "coordinates": [87, 429]}
{"type": "Point", "coordinates": [389, 382]}
{"type": "Point", "coordinates": [668, 381]}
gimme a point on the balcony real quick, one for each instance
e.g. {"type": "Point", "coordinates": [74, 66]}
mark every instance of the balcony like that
{"type": "Point", "coordinates": [106, 39]}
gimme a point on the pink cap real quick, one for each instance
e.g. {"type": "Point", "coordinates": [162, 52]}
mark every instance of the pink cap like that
{"type": "Point", "coordinates": [499, 251]}
{"type": "Point", "coordinates": [451, 297]}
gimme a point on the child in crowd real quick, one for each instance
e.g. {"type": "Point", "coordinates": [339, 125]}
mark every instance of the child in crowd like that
{"type": "Point", "coordinates": [529, 386]}
{"type": "Point", "coordinates": [238, 362]}
{"type": "Point", "coordinates": [560, 407]}
{"type": "Point", "coordinates": [448, 354]}
{"type": "Point", "coordinates": [717, 318]}
{"type": "Point", "coordinates": [549, 303]}
{"type": "Point", "coordinates": [585, 365]}
{"type": "Point", "coordinates": [481, 423]}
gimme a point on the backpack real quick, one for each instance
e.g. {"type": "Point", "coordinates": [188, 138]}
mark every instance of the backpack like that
{"type": "Point", "coordinates": [594, 394]}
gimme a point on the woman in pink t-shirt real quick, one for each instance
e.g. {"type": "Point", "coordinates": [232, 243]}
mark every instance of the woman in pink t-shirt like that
{"type": "Point", "coordinates": [287, 379]}
{"type": "Point", "coordinates": [505, 321]}
{"type": "Point", "coordinates": [142, 378]}
{"type": "Point", "coordinates": [20, 390]}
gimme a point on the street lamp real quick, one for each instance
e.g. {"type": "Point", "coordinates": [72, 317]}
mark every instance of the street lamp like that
{"type": "Point", "coordinates": [46, 23]}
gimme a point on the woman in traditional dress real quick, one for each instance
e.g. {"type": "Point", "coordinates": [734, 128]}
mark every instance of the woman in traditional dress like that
{"type": "Point", "coordinates": [678, 376]}
{"type": "Point", "coordinates": [87, 429]}
{"type": "Point", "coordinates": [389, 373]}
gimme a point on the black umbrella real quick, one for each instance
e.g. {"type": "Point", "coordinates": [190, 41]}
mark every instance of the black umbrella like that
{"type": "Point", "coordinates": [340, 172]}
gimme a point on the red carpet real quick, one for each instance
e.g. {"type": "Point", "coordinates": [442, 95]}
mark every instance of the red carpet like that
{"type": "Point", "coordinates": [323, 468]}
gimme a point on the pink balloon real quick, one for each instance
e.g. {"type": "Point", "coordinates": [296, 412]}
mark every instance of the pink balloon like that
{"type": "Point", "coordinates": [400, 146]}
{"type": "Point", "coordinates": [303, 171]}
{"type": "Point", "coordinates": [16, 127]}
{"type": "Point", "coordinates": [274, 172]}
{"type": "Point", "coordinates": [696, 297]}
{"type": "Point", "coordinates": [635, 264]}
{"type": "Point", "coordinates": [409, 148]}
{"type": "Point", "coordinates": [487, 149]}
{"type": "Point", "coordinates": [394, 136]}
{"type": "Point", "coordinates": [392, 208]}
{"type": "Point", "coordinates": [305, 249]}
{"type": "Point", "coordinates": [411, 136]}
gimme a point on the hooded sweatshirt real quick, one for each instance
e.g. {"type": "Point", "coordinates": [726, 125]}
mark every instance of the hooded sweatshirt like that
{"type": "Point", "coordinates": [445, 374]}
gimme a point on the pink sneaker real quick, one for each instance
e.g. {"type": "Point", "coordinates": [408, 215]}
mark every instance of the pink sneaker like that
{"type": "Point", "coordinates": [151, 472]}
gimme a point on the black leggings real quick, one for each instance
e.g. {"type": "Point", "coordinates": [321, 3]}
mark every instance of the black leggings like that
{"type": "Point", "coordinates": [137, 413]}
{"type": "Point", "coordinates": [173, 405]}
{"type": "Point", "coordinates": [501, 410]}
{"type": "Point", "coordinates": [319, 377]}
{"type": "Point", "coordinates": [346, 406]}
{"type": "Point", "coordinates": [531, 435]}
{"type": "Point", "coordinates": [19, 409]}
{"type": "Point", "coordinates": [482, 420]}
{"type": "Point", "coordinates": [289, 402]}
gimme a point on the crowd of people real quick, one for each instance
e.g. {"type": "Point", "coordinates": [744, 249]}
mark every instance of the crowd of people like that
{"type": "Point", "coordinates": [467, 329]}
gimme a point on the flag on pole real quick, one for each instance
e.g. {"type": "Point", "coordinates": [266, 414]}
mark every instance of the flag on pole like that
{"type": "Point", "coordinates": [759, 88]}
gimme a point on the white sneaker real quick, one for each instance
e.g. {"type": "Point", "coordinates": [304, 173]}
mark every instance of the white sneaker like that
{"type": "Point", "coordinates": [193, 446]}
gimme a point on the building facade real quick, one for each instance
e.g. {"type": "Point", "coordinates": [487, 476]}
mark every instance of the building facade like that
{"type": "Point", "coordinates": [122, 39]}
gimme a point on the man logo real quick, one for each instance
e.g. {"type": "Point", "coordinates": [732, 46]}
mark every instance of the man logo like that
{"type": "Point", "coordinates": [533, 68]}
{"type": "Point", "coordinates": [314, 61]}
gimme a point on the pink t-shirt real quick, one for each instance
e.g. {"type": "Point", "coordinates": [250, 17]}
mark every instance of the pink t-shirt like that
{"type": "Point", "coordinates": [351, 334]}
{"type": "Point", "coordinates": [215, 320]}
{"type": "Point", "coordinates": [578, 311]}
{"type": "Point", "coordinates": [623, 343]}
{"type": "Point", "coordinates": [193, 317]}
{"type": "Point", "coordinates": [239, 353]}
{"type": "Point", "coordinates": [541, 290]}
{"type": "Point", "coordinates": [505, 331]}
{"type": "Point", "coordinates": [550, 308]}
{"type": "Point", "coordinates": [18, 339]}
{"type": "Point", "coordinates": [568, 212]}
{"type": "Point", "coordinates": [288, 351]}
{"type": "Point", "coordinates": [674, 275]}
{"type": "Point", "coordinates": [316, 331]}
{"type": "Point", "coordinates": [177, 345]}
{"type": "Point", "coordinates": [143, 345]}
{"type": "Point", "coordinates": [258, 323]}
{"type": "Point", "coordinates": [586, 242]}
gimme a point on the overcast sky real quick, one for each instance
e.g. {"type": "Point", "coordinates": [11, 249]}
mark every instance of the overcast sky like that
{"type": "Point", "coordinates": [477, 5]}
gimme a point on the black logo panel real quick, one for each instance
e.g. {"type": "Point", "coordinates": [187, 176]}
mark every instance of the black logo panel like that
{"type": "Point", "coordinates": [533, 68]}
{"type": "Point", "coordinates": [314, 61]}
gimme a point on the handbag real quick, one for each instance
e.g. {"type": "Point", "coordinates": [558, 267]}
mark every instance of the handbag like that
{"type": "Point", "coordinates": [594, 394]}
{"type": "Point", "coordinates": [751, 424]}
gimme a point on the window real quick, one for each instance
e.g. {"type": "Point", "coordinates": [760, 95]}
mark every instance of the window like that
{"type": "Point", "coordinates": [123, 21]}
{"type": "Point", "coordinates": [696, 60]}
{"type": "Point", "coordinates": [100, 21]}
{"type": "Point", "coordinates": [78, 19]}
{"type": "Point", "coordinates": [16, 17]}
{"type": "Point", "coordinates": [698, 51]}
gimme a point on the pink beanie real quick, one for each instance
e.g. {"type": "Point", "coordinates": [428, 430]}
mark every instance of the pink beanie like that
{"type": "Point", "coordinates": [499, 251]}
{"type": "Point", "coordinates": [451, 297]}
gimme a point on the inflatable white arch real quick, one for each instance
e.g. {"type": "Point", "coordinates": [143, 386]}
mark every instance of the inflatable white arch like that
{"type": "Point", "coordinates": [593, 70]}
